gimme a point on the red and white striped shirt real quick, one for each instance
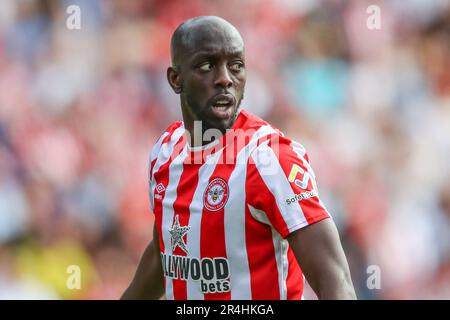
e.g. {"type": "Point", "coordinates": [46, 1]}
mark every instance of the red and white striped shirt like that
{"type": "Point", "coordinates": [223, 211]}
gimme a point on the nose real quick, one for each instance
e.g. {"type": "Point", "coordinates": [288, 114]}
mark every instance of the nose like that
{"type": "Point", "coordinates": [223, 78]}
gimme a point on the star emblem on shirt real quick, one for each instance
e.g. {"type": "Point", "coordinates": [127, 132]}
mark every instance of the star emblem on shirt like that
{"type": "Point", "coordinates": [178, 232]}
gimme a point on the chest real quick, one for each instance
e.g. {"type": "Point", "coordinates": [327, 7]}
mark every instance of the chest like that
{"type": "Point", "coordinates": [199, 189]}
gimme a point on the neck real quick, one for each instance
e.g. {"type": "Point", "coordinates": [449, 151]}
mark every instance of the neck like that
{"type": "Point", "coordinates": [199, 134]}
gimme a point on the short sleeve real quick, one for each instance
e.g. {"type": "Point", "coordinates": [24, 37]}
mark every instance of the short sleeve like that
{"type": "Point", "coordinates": [152, 162]}
{"type": "Point", "coordinates": [281, 186]}
{"type": "Point", "coordinates": [153, 158]}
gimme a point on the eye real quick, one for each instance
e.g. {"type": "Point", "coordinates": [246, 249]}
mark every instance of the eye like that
{"type": "Point", "coordinates": [237, 66]}
{"type": "Point", "coordinates": [206, 67]}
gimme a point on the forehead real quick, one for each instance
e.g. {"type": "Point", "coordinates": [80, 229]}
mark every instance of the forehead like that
{"type": "Point", "coordinates": [212, 39]}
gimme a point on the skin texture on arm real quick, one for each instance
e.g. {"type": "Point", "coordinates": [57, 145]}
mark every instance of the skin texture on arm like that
{"type": "Point", "coordinates": [148, 282]}
{"type": "Point", "coordinates": [320, 255]}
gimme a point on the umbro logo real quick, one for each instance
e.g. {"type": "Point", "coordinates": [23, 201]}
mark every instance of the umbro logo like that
{"type": "Point", "coordinates": [160, 188]}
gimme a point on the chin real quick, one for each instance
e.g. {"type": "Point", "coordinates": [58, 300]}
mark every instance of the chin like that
{"type": "Point", "coordinates": [224, 124]}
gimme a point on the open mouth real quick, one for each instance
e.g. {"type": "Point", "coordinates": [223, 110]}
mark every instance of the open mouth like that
{"type": "Point", "coordinates": [222, 106]}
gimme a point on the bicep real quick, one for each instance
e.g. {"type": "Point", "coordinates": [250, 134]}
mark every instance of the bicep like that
{"type": "Point", "coordinates": [320, 255]}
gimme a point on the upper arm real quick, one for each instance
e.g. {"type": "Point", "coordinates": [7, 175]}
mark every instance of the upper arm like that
{"type": "Point", "coordinates": [320, 255]}
{"type": "Point", "coordinates": [283, 185]}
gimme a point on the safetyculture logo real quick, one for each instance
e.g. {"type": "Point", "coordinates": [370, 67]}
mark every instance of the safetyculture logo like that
{"type": "Point", "coordinates": [295, 171]}
{"type": "Point", "coordinates": [301, 182]}
{"type": "Point", "coordinates": [301, 196]}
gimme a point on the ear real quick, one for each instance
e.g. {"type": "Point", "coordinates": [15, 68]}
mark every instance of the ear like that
{"type": "Point", "coordinates": [174, 79]}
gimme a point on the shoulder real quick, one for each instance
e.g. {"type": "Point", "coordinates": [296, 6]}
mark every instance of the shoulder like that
{"type": "Point", "coordinates": [173, 132]}
{"type": "Point", "coordinates": [253, 122]}
{"type": "Point", "coordinates": [276, 154]}
{"type": "Point", "coordinates": [260, 131]}
{"type": "Point", "coordinates": [275, 141]}
{"type": "Point", "coordinates": [271, 139]}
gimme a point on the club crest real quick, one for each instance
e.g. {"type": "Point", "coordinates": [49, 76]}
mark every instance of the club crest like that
{"type": "Point", "coordinates": [216, 194]}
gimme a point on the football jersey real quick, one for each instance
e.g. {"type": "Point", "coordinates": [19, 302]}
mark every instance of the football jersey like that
{"type": "Point", "coordinates": [223, 211]}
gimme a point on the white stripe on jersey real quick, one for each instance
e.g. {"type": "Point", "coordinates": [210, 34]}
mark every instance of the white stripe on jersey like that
{"type": "Point", "coordinates": [234, 222]}
{"type": "Point", "coordinates": [292, 214]}
{"type": "Point", "coordinates": [284, 263]}
{"type": "Point", "coordinates": [175, 170]}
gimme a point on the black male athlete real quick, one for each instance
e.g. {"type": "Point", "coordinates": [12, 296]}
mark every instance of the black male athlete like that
{"type": "Point", "coordinates": [237, 211]}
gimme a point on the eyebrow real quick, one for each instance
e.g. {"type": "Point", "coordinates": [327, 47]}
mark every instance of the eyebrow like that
{"type": "Point", "coordinates": [203, 53]}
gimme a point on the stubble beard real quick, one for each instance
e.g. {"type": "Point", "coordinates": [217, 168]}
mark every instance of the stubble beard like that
{"type": "Point", "coordinates": [198, 114]}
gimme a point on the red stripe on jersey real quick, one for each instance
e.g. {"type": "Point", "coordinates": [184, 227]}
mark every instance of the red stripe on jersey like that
{"type": "Point", "coordinates": [312, 209]}
{"type": "Point", "coordinates": [261, 259]}
{"type": "Point", "coordinates": [185, 192]}
{"type": "Point", "coordinates": [259, 196]}
{"type": "Point", "coordinates": [212, 243]}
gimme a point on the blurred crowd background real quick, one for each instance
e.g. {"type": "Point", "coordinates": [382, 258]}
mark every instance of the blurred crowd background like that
{"type": "Point", "coordinates": [81, 109]}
